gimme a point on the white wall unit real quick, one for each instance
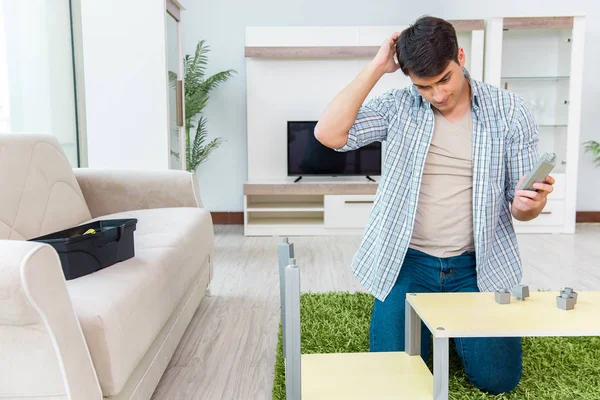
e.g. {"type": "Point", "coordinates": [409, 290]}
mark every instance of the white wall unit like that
{"type": "Point", "coordinates": [348, 211]}
{"type": "Point", "coordinates": [125, 47]}
{"type": "Point", "coordinates": [541, 59]}
{"type": "Point", "coordinates": [281, 89]}
{"type": "Point", "coordinates": [292, 74]}
{"type": "Point", "coordinates": [551, 220]}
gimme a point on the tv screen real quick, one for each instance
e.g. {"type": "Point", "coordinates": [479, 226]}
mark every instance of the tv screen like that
{"type": "Point", "coordinates": [307, 156]}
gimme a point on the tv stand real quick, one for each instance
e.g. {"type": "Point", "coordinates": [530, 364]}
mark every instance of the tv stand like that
{"type": "Point", "coordinates": [328, 207]}
{"type": "Point", "coordinates": [368, 177]}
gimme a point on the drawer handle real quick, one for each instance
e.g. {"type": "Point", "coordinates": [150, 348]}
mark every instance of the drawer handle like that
{"type": "Point", "coordinates": [546, 212]}
{"type": "Point", "coordinates": [358, 201]}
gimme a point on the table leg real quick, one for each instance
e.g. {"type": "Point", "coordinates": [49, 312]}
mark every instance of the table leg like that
{"type": "Point", "coordinates": [440, 368]}
{"type": "Point", "coordinates": [293, 366]}
{"type": "Point", "coordinates": [412, 331]}
{"type": "Point", "coordinates": [285, 251]}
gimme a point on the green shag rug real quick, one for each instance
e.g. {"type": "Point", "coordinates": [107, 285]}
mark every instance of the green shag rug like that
{"type": "Point", "coordinates": [553, 368]}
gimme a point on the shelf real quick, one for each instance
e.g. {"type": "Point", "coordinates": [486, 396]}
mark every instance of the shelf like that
{"type": "Point", "coordinates": [306, 188]}
{"type": "Point", "coordinates": [538, 23]}
{"type": "Point", "coordinates": [478, 315]}
{"type": "Point", "coordinates": [340, 51]}
{"type": "Point", "coordinates": [310, 51]}
{"type": "Point", "coordinates": [273, 221]}
{"type": "Point", "coordinates": [280, 207]}
{"type": "Point", "coordinates": [534, 78]}
{"type": "Point", "coordinates": [374, 375]}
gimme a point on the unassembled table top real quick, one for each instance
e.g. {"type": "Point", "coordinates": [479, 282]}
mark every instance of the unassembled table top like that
{"type": "Point", "coordinates": [360, 376]}
{"type": "Point", "coordinates": [449, 315]}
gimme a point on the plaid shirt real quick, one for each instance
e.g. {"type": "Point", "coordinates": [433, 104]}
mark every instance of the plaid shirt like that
{"type": "Point", "coordinates": [505, 139]}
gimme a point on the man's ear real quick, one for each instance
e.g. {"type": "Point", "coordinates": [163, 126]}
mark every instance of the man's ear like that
{"type": "Point", "coordinates": [462, 58]}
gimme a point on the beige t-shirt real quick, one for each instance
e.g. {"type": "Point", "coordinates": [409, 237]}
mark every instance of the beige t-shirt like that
{"type": "Point", "coordinates": [444, 218]}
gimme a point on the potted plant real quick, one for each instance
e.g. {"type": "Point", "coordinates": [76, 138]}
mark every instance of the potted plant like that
{"type": "Point", "coordinates": [197, 88]}
{"type": "Point", "coordinates": [594, 148]}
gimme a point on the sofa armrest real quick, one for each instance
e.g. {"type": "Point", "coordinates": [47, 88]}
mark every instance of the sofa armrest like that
{"type": "Point", "coordinates": [109, 191]}
{"type": "Point", "coordinates": [34, 298]}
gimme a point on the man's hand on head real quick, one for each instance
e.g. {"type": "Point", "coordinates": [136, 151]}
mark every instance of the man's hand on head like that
{"type": "Point", "coordinates": [528, 204]}
{"type": "Point", "coordinates": [384, 60]}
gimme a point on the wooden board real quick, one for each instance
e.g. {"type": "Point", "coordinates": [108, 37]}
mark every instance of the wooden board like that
{"type": "Point", "coordinates": [538, 23]}
{"type": "Point", "coordinates": [468, 24]}
{"type": "Point", "coordinates": [309, 188]}
{"type": "Point", "coordinates": [478, 315]}
{"type": "Point", "coordinates": [311, 52]}
{"type": "Point", "coordinates": [334, 52]}
{"type": "Point", "coordinates": [354, 376]}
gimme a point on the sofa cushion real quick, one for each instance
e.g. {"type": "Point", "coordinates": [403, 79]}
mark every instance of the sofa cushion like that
{"type": "Point", "coordinates": [39, 193]}
{"type": "Point", "coordinates": [123, 307]}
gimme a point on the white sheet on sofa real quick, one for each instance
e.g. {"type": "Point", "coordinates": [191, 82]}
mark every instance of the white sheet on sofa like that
{"type": "Point", "coordinates": [122, 308]}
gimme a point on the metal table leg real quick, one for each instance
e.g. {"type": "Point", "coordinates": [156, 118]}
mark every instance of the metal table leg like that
{"type": "Point", "coordinates": [292, 332]}
{"type": "Point", "coordinates": [412, 337]}
{"type": "Point", "coordinates": [412, 331]}
{"type": "Point", "coordinates": [285, 251]}
{"type": "Point", "coordinates": [440, 368]}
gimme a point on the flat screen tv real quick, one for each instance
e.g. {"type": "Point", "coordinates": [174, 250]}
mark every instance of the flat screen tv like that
{"type": "Point", "coordinates": [307, 156]}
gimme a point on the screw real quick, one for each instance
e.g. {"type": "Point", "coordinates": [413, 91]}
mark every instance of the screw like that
{"type": "Point", "coordinates": [440, 328]}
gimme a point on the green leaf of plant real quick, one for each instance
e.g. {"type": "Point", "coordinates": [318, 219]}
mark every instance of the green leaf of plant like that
{"type": "Point", "coordinates": [197, 89]}
{"type": "Point", "coordinates": [172, 80]}
{"type": "Point", "coordinates": [593, 147]}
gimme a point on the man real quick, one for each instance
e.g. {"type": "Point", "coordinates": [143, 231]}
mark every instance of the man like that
{"type": "Point", "coordinates": [441, 222]}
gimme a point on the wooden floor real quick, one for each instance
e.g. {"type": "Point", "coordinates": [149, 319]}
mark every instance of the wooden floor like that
{"type": "Point", "coordinates": [228, 351]}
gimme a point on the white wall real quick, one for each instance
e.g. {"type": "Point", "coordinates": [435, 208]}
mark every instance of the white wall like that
{"type": "Point", "coordinates": [222, 177]}
{"type": "Point", "coordinates": [125, 83]}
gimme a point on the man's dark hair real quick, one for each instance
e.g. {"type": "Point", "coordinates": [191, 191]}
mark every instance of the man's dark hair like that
{"type": "Point", "coordinates": [427, 47]}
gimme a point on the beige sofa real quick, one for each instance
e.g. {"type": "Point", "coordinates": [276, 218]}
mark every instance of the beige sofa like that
{"type": "Point", "coordinates": [111, 333]}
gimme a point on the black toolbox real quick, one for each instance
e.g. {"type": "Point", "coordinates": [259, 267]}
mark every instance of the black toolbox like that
{"type": "Point", "coordinates": [81, 253]}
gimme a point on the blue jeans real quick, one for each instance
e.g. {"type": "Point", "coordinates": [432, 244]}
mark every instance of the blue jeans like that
{"type": "Point", "coordinates": [493, 365]}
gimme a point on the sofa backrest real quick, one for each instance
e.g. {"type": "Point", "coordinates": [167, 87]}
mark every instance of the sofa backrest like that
{"type": "Point", "coordinates": [39, 193]}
